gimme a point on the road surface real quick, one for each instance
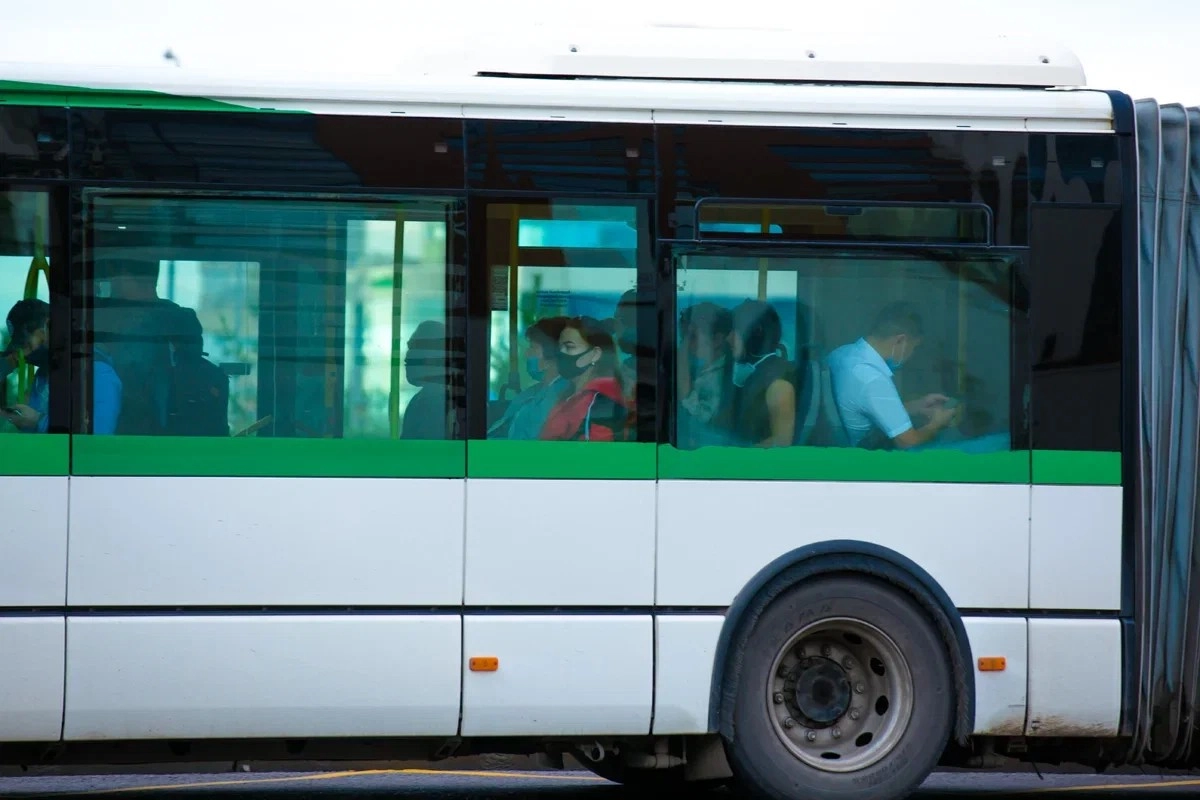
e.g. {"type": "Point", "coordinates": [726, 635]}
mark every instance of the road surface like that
{"type": "Point", "coordinates": [484, 785]}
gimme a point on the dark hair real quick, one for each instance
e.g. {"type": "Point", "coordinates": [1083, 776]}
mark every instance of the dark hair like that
{"type": "Point", "coordinates": [596, 334]}
{"type": "Point", "coordinates": [898, 318]}
{"type": "Point", "coordinates": [759, 326]}
{"type": "Point", "coordinates": [627, 309]}
{"type": "Point", "coordinates": [25, 317]}
{"type": "Point", "coordinates": [129, 266]}
{"type": "Point", "coordinates": [709, 317]}
{"type": "Point", "coordinates": [545, 332]}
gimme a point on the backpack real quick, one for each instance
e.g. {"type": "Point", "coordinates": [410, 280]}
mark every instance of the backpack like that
{"type": "Point", "coordinates": [198, 395]}
{"type": "Point", "coordinates": [197, 389]}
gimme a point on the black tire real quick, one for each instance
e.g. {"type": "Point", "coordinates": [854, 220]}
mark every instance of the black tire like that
{"type": "Point", "coordinates": [768, 768]}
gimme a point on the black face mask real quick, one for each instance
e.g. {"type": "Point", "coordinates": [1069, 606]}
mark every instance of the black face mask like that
{"type": "Point", "coordinates": [39, 357]}
{"type": "Point", "coordinates": [568, 365]}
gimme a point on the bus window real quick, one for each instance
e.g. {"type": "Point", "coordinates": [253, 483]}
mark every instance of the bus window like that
{"type": "Point", "coordinates": [24, 305]}
{"type": "Point", "coordinates": [566, 346]}
{"type": "Point", "coordinates": [872, 349]}
{"type": "Point", "coordinates": [272, 318]}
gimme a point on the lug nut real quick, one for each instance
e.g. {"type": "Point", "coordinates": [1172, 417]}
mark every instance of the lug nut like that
{"type": "Point", "coordinates": [847, 663]}
{"type": "Point", "coordinates": [811, 736]}
{"type": "Point", "coordinates": [789, 723]}
{"type": "Point", "coordinates": [837, 733]}
{"type": "Point", "coordinates": [855, 714]}
{"type": "Point", "coordinates": [859, 688]}
{"type": "Point", "coordinates": [778, 698]}
{"type": "Point", "coordinates": [826, 650]}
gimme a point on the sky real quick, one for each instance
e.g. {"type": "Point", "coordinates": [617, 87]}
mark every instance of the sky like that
{"type": "Point", "coordinates": [1141, 47]}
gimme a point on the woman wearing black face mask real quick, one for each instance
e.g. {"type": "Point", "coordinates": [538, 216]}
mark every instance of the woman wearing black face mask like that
{"type": "Point", "coordinates": [595, 409]}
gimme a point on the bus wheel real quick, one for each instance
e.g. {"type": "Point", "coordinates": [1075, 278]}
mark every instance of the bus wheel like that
{"type": "Point", "coordinates": [845, 691]}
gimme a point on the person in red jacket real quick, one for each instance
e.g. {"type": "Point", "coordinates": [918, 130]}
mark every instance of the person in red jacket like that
{"type": "Point", "coordinates": [596, 409]}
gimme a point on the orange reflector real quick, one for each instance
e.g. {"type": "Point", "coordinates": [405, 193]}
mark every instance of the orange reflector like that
{"type": "Point", "coordinates": [992, 664]}
{"type": "Point", "coordinates": [484, 664]}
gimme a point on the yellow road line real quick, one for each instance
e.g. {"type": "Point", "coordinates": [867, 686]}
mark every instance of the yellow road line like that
{"type": "Point", "coordinates": [320, 776]}
{"type": "Point", "coordinates": [540, 776]}
{"type": "Point", "coordinates": [1105, 787]}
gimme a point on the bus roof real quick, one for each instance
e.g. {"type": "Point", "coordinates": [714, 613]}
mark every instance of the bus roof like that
{"type": "Point", "coordinates": [660, 74]}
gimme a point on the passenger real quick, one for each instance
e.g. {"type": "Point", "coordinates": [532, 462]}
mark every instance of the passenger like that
{"type": "Point", "coordinates": [428, 414]}
{"type": "Point", "coordinates": [705, 377]}
{"type": "Point", "coordinates": [528, 411]}
{"type": "Point", "coordinates": [867, 401]}
{"type": "Point", "coordinates": [139, 329]}
{"type": "Point", "coordinates": [765, 400]}
{"type": "Point", "coordinates": [594, 408]}
{"type": "Point", "coordinates": [29, 335]}
{"type": "Point", "coordinates": [625, 331]}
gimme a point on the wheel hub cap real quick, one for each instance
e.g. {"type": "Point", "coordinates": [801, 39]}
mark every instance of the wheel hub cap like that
{"type": "Point", "coordinates": [822, 691]}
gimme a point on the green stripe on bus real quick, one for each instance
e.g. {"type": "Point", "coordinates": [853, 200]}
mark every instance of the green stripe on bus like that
{"type": "Point", "coordinates": [34, 453]}
{"type": "Point", "coordinates": [842, 464]}
{"type": "Point", "coordinates": [1076, 468]}
{"type": "Point", "coordinates": [574, 460]}
{"type": "Point", "coordinates": [266, 457]}
{"type": "Point", "coordinates": [48, 94]}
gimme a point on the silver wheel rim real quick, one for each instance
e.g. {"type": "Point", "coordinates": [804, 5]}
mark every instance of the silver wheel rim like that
{"type": "Point", "coordinates": [840, 694]}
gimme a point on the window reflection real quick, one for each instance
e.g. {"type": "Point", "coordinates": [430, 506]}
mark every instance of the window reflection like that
{"type": "Point", "coordinates": [277, 318]}
{"type": "Point", "coordinates": [868, 349]}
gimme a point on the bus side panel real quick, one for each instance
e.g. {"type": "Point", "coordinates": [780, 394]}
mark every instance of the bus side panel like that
{"type": "Point", "coordinates": [560, 542]}
{"type": "Point", "coordinates": [1000, 695]}
{"type": "Point", "coordinates": [31, 678]}
{"type": "Point", "coordinates": [684, 651]}
{"type": "Point", "coordinates": [233, 676]}
{"type": "Point", "coordinates": [1074, 677]}
{"type": "Point", "coordinates": [266, 541]}
{"type": "Point", "coordinates": [1068, 521]}
{"type": "Point", "coordinates": [714, 536]}
{"type": "Point", "coordinates": [33, 542]}
{"type": "Point", "coordinates": [562, 675]}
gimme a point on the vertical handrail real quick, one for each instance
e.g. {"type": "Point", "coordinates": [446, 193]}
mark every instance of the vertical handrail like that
{"type": "Point", "coordinates": [397, 295]}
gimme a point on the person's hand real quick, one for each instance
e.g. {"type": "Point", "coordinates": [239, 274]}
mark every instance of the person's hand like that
{"type": "Point", "coordinates": [928, 404]}
{"type": "Point", "coordinates": [943, 418]}
{"type": "Point", "coordinates": [22, 417]}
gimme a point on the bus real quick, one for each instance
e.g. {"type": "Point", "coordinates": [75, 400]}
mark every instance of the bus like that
{"type": "Point", "coordinates": [809, 419]}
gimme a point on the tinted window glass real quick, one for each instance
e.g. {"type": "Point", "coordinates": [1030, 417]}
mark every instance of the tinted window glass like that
{"type": "Point", "coordinates": [561, 157]}
{"type": "Point", "coordinates": [33, 142]}
{"type": "Point", "coordinates": [844, 222]}
{"type": "Point", "coordinates": [807, 349]}
{"type": "Point", "coordinates": [1076, 328]}
{"type": "Point", "coordinates": [25, 374]}
{"type": "Point", "coordinates": [279, 317]}
{"type": "Point", "coordinates": [568, 350]}
{"type": "Point", "coordinates": [701, 161]}
{"type": "Point", "coordinates": [301, 150]}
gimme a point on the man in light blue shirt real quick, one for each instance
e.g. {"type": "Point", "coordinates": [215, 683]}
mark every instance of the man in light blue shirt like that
{"type": "Point", "coordinates": [868, 404]}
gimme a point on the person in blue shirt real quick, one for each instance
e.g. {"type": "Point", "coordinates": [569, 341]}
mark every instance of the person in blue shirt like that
{"type": "Point", "coordinates": [527, 413]}
{"type": "Point", "coordinates": [28, 329]}
{"type": "Point", "coordinates": [868, 404]}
